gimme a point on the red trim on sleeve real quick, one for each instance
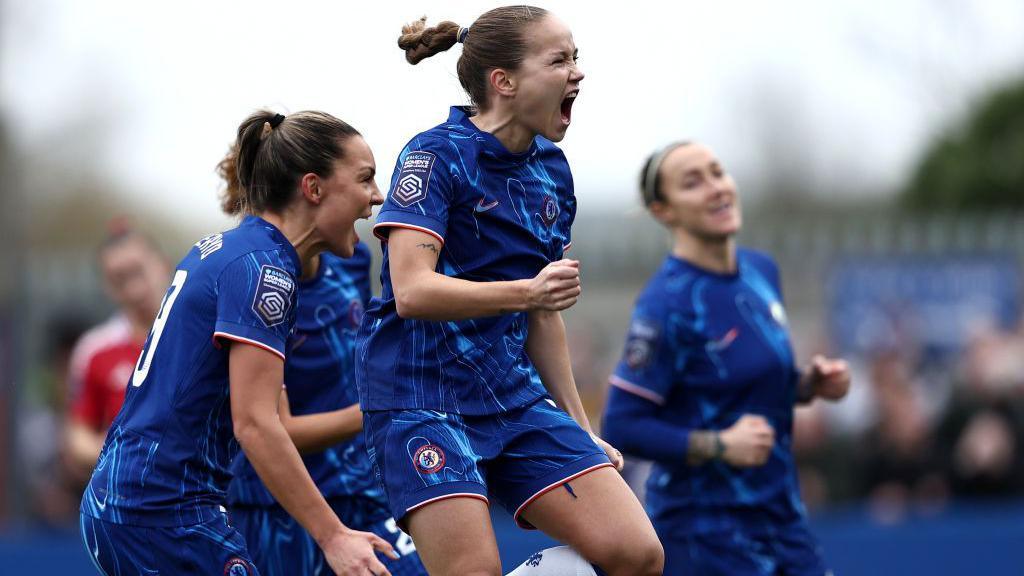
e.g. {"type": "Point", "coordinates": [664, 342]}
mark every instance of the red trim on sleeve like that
{"type": "Point", "coordinates": [636, 390]}
{"type": "Point", "coordinates": [217, 335]}
{"type": "Point", "coordinates": [407, 226]}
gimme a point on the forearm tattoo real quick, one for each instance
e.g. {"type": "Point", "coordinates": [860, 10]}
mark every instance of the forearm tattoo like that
{"type": "Point", "coordinates": [427, 246]}
{"type": "Point", "coordinates": [703, 446]}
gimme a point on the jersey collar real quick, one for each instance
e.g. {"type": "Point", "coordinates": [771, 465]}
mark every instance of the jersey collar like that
{"type": "Point", "coordinates": [278, 237]}
{"type": "Point", "coordinates": [460, 116]}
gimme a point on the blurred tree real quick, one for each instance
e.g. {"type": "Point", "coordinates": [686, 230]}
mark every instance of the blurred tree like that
{"type": "Point", "coordinates": [978, 165]}
{"type": "Point", "coordinates": [10, 256]}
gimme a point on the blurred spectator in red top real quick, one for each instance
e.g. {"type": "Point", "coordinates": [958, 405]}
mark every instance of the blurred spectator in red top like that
{"type": "Point", "coordinates": [135, 275]}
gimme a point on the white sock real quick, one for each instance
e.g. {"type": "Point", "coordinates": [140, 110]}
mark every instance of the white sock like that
{"type": "Point", "coordinates": [560, 561]}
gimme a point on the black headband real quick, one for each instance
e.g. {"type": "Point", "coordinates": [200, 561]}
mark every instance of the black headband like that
{"type": "Point", "coordinates": [649, 186]}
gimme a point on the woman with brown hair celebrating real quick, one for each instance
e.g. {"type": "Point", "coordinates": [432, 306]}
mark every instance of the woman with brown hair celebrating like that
{"type": "Point", "coordinates": [463, 372]}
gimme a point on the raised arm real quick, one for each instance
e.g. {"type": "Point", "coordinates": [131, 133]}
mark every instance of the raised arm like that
{"type": "Point", "coordinates": [424, 294]}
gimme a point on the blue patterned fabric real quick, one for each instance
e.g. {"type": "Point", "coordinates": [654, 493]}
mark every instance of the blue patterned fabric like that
{"type": "Point", "coordinates": [499, 216]}
{"type": "Point", "coordinates": [704, 349]}
{"type": "Point", "coordinates": [166, 458]}
{"type": "Point", "coordinates": [281, 547]}
{"type": "Point", "coordinates": [320, 377]}
{"type": "Point", "coordinates": [426, 455]}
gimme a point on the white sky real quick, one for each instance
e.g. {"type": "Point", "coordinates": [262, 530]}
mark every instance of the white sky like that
{"type": "Point", "coordinates": [849, 90]}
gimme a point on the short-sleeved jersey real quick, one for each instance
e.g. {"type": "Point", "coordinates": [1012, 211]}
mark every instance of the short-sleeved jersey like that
{"type": "Point", "coordinates": [166, 457]}
{"type": "Point", "coordinates": [709, 348]}
{"type": "Point", "coordinates": [499, 216]}
{"type": "Point", "coordinates": [101, 366]}
{"type": "Point", "coordinates": [320, 377]}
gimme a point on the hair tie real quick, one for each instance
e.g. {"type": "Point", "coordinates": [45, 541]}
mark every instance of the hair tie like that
{"type": "Point", "coordinates": [463, 32]}
{"type": "Point", "coordinates": [276, 120]}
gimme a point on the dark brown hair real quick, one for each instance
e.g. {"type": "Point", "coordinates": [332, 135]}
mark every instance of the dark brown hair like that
{"type": "Point", "coordinates": [271, 153]}
{"type": "Point", "coordinates": [496, 40]}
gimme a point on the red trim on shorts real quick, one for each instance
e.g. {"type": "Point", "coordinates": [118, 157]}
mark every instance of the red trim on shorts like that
{"type": "Point", "coordinates": [445, 497]}
{"type": "Point", "coordinates": [551, 487]}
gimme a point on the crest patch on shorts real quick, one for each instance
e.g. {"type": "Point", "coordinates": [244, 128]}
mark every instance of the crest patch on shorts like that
{"type": "Point", "coordinates": [429, 459]}
{"type": "Point", "coordinates": [237, 567]}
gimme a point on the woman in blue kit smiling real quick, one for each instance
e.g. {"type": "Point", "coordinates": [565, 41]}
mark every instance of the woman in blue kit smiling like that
{"type": "Point", "coordinates": [464, 373]}
{"type": "Point", "coordinates": [707, 384]}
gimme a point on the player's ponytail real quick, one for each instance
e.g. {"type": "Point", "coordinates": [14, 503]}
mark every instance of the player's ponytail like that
{"type": "Point", "coordinates": [420, 42]}
{"type": "Point", "coordinates": [232, 199]}
{"type": "Point", "coordinates": [271, 154]}
{"type": "Point", "coordinates": [497, 39]}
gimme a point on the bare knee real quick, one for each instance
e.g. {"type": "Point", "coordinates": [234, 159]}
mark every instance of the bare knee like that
{"type": "Point", "coordinates": [470, 567]}
{"type": "Point", "coordinates": [465, 570]}
{"type": "Point", "coordinates": [642, 557]}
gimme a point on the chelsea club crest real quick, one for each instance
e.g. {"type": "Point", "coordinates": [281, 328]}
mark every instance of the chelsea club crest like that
{"type": "Point", "coordinates": [429, 459]}
{"type": "Point", "coordinates": [550, 210]}
{"type": "Point", "coordinates": [237, 567]}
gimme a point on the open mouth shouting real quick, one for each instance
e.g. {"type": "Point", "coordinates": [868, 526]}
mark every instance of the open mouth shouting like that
{"type": "Point", "coordinates": [566, 108]}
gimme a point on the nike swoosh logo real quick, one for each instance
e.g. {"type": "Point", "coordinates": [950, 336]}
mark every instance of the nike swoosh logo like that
{"type": "Point", "coordinates": [481, 207]}
{"type": "Point", "coordinates": [723, 342]}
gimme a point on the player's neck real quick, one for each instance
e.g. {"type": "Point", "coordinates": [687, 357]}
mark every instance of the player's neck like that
{"type": "Point", "coordinates": [140, 324]}
{"type": "Point", "coordinates": [302, 236]}
{"type": "Point", "coordinates": [309, 271]}
{"type": "Point", "coordinates": [717, 255]}
{"type": "Point", "coordinates": [513, 136]}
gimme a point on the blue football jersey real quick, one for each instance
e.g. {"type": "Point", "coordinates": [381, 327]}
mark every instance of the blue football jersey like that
{"type": "Point", "coordinates": [320, 377]}
{"type": "Point", "coordinates": [166, 458]}
{"type": "Point", "coordinates": [499, 216]}
{"type": "Point", "coordinates": [709, 348]}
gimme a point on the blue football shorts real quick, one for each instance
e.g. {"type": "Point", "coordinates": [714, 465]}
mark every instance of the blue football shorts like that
{"type": "Point", "coordinates": [514, 457]}
{"type": "Point", "coordinates": [280, 546]}
{"type": "Point", "coordinates": [211, 547]}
